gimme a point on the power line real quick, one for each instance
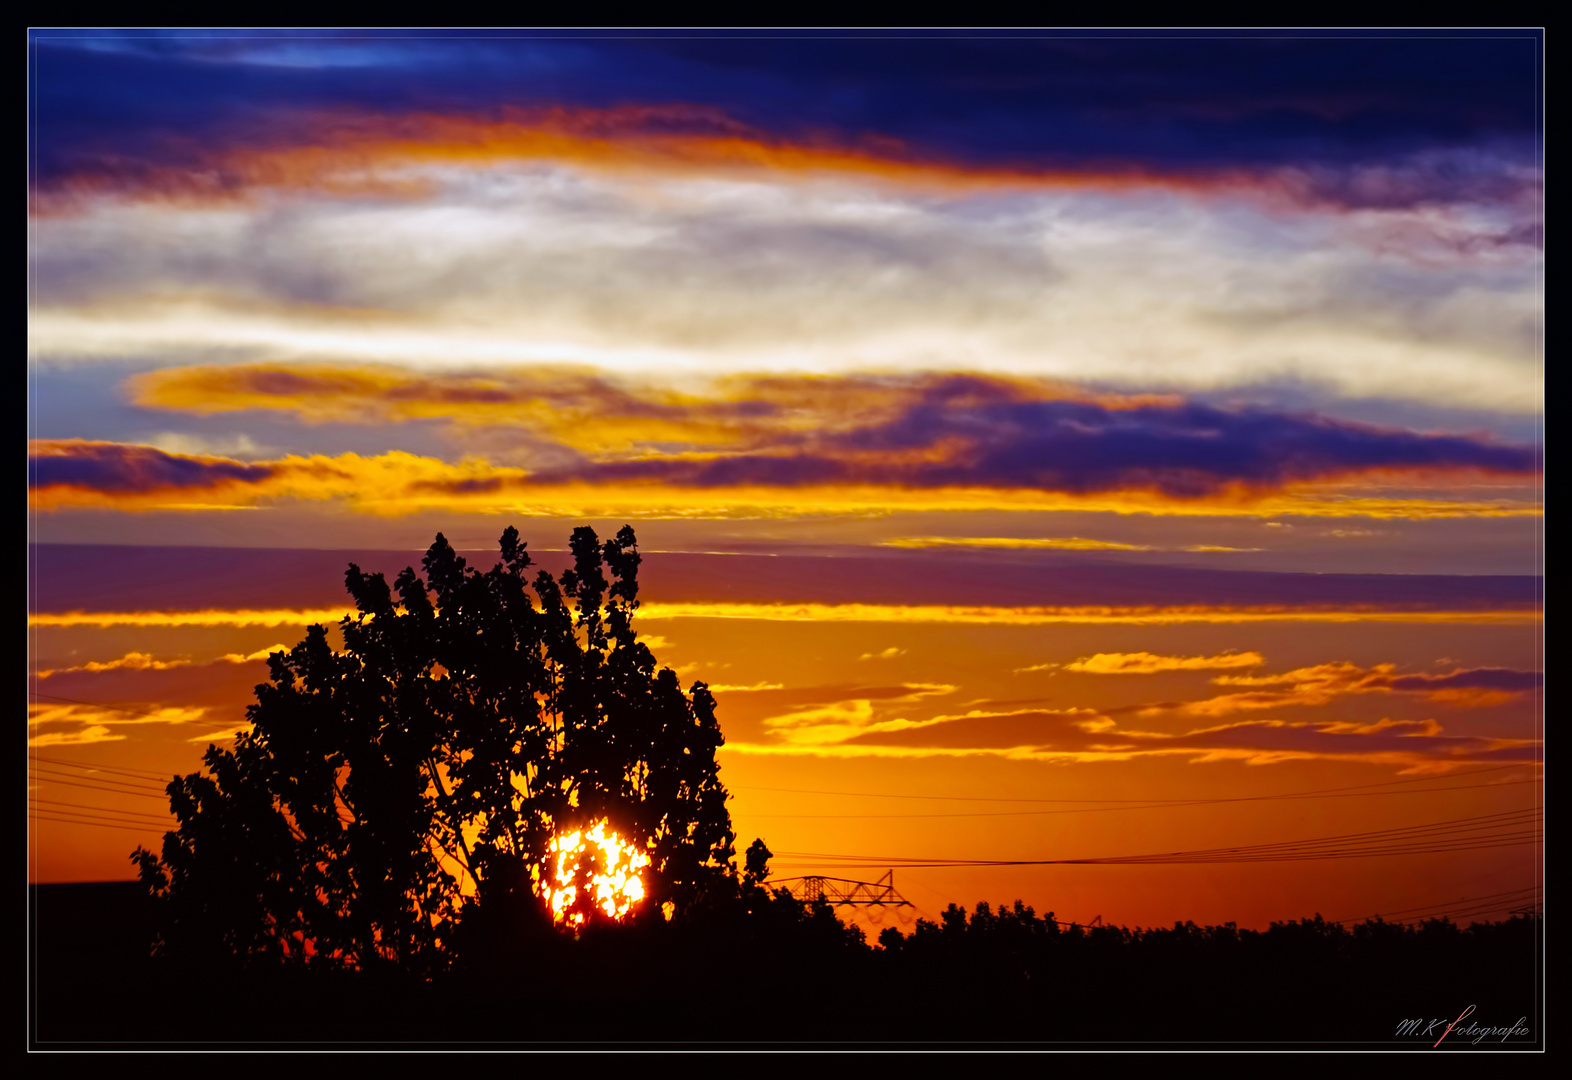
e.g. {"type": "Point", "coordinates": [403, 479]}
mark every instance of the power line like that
{"type": "Point", "coordinates": [1434, 848]}
{"type": "Point", "coordinates": [135, 774]}
{"type": "Point", "coordinates": [106, 809]}
{"type": "Point", "coordinates": [99, 824]}
{"type": "Point", "coordinates": [1471, 824]}
{"type": "Point", "coordinates": [1456, 911]}
{"type": "Point", "coordinates": [129, 785]}
{"type": "Point", "coordinates": [1241, 798]}
{"type": "Point", "coordinates": [95, 787]}
{"type": "Point", "coordinates": [1149, 806]}
{"type": "Point", "coordinates": [1468, 821]}
{"type": "Point", "coordinates": [1433, 907]}
{"type": "Point", "coordinates": [84, 818]}
{"type": "Point", "coordinates": [1459, 915]}
{"type": "Point", "coordinates": [1506, 829]}
{"type": "Point", "coordinates": [146, 774]}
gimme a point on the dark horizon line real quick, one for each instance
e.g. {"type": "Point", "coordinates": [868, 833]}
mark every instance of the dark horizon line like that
{"type": "Point", "coordinates": [56, 886]}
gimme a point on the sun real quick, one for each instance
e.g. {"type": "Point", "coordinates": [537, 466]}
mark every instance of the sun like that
{"type": "Point", "coordinates": [592, 870]}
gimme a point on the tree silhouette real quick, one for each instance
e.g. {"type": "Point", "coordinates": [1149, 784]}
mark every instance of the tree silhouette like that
{"type": "Point", "coordinates": [463, 730]}
{"type": "Point", "coordinates": [756, 863]}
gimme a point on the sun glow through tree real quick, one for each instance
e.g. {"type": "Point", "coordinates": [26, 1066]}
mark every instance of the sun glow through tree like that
{"type": "Point", "coordinates": [592, 870]}
{"type": "Point", "coordinates": [528, 726]}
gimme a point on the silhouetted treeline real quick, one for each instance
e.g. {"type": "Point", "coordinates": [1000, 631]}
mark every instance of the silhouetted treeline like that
{"type": "Point", "coordinates": [760, 967]}
{"type": "Point", "coordinates": [1304, 980]}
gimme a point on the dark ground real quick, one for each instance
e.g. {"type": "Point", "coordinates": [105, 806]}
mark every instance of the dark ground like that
{"type": "Point", "coordinates": [788, 980]}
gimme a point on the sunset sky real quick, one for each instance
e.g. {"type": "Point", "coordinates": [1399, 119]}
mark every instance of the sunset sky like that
{"type": "Point", "coordinates": [1047, 447]}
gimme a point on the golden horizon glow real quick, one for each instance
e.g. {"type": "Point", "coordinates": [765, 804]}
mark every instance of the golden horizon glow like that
{"type": "Point", "coordinates": [1068, 543]}
{"type": "Point", "coordinates": [202, 617]}
{"type": "Point", "coordinates": [1033, 616]}
{"type": "Point", "coordinates": [652, 611]}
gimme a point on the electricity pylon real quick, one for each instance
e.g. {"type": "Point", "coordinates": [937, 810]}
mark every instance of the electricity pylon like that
{"type": "Point", "coordinates": [842, 892]}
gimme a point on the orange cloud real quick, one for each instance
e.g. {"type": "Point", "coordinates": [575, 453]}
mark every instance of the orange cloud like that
{"type": "Point", "coordinates": [95, 733]}
{"type": "Point", "coordinates": [82, 473]}
{"type": "Point", "coordinates": [1069, 543]}
{"type": "Point", "coordinates": [136, 661]}
{"type": "Point", "coordinates": [353, 154]}
{"type": "Point", "coordinates": [1315, 685]}
{"type": "Point", "coordinates": [206, 617]}
{"type": "Point", "coordinates": [838, 720]}
{"type": "Point", "coordinates": [1144, 663]}
{"type": "Point", "coordinates": [655, 610]}
{"type": "Point", "coordinates": [133, 661]}
{"type": "Point", "coordinates": [1082, 735]}
{"type": "Point", "coordinates": [1065, 543]}
{"type": "Point", "coordinates": [356, 153]}
{"type": "Point", "coordinates": [1321, 683]}
{"type": "Point", "coordinates": [1473, 699]}
{"type": "Point", "coordinates": [222, 735]}
{"type": "Point", "coordinates": [260, 654]}
{"type": "Point", "coordinates": [1038, 616]}
{"type": "Point", "coordinates": [1410, 727]}
{"type": "Point", "coordinates": [583, 408]}
{"type": "Point", "coordinates": [924, 431]}
{"type": "Point", "coordinates": [73, 724]}
{"type": "Point", "coordinates": [79, 472]}
{"type": "Point", "coordinates": [576, 406]}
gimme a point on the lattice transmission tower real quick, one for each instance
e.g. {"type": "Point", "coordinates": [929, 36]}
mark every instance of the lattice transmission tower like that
{"type": "Point", "coordinates": [843, 892]}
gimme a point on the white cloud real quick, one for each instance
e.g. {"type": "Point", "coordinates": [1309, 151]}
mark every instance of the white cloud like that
{"type": "Point", "coordinates": [702, 276]}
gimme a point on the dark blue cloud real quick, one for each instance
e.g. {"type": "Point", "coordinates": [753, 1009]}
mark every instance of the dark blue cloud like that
{"type": "Point", "coordinates": [968, 431]}
{"type": "Point", "coordinates": [1168, 102]}
{"type": "Point", "coordinates": [1477, 679]}
{"type": "Point", "coordinates": [114, 467]}
{"type": "Point", "coordinates": [1180, 450]}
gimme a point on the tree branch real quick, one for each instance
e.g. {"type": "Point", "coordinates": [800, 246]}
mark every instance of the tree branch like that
{"type": "Point", "coordinates": [458, 827]}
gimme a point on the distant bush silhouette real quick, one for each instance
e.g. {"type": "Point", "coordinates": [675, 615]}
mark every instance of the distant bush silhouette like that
{"type": "Point", "coordinates": [1006, 972]}
{"type": "Point", "coordinates": [464, 724]}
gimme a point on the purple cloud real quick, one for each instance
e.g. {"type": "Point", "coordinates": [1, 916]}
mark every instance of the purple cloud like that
{"type": "Point", "coordinates": [121, 468]}
{"type": "Point", "coordinates": [1503, 679]}
{"type": "Point", "coordinates": [969, 431]}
